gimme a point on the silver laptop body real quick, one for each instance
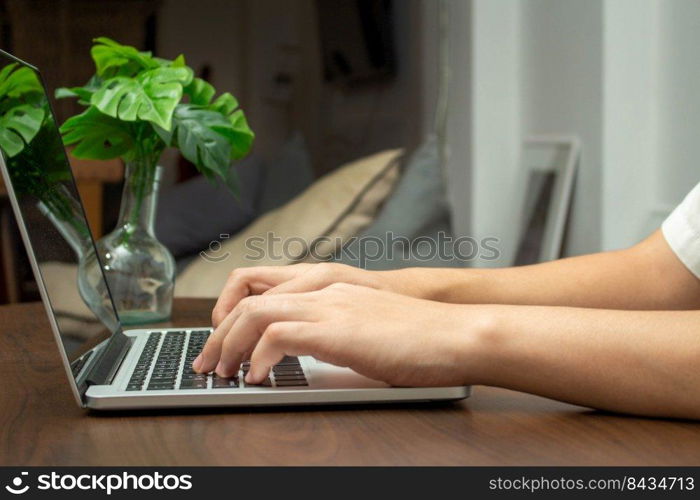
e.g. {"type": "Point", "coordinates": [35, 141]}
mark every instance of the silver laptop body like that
{"type": "Point", "coordinates": [110, 368]}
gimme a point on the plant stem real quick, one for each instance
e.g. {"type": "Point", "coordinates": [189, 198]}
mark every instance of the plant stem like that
{"type": "Point", "coordinates": [60, 206]}
{"type": "Point", "coordinates": [140, 180]}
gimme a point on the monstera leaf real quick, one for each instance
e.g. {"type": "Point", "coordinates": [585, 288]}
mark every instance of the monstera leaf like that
{"type": "Point", "coordinates": [237, 131]}
{"type": "Point", "coordinates": [239, 134]}
{"type": "Point", "coordinates": [21, 111]}
{"type": "Point", "coordinates": [139, 104]}
{"type": "Point", "coordinates": [18, 127]}
{"type": "Point", "coordinates": [98, 136]}
{"type": "Point", "coordinates": [18, 81]}
{"type": "Point", "coordinates": [114, 59]}
{"type": "Point", "coordinates": [224, 104]}
{"type": "Point", "coordinates": [84, 93]}
{"type": "Point", "coordinates": [210, 140]}
{"type": "Point", "coordinates": [195, 132]}
{"type": "Point", "coordinates": [152, 96]}
{"type": "Point", "coordinates": [200, 92]}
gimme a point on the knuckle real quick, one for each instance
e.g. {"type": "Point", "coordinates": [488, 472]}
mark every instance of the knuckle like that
{"type": "Point", "coordinates": [213, 341]}
{"type": "Point", "coordinates": [236, 274]}
{"type": "Point", "coordinates": [325, 266]}
{"type": "Point", "coordinates": [207, 349]}
{"type": "Point", "coordinates": [246, 304]}
{"type": "Point", "coordinates": [226, 346]}
{"type": "Point", "coordinates": [273, 332]}
{"type": "Point", "coordinates": [339, 286]}
{"type": "Point", "coordinates": [325, 269]}
{"type": "Point", "coordinates": [252, 305]}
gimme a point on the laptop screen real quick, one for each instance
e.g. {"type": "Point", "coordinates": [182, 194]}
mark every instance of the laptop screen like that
{"type": "Point", "coordinates": [51, 216]}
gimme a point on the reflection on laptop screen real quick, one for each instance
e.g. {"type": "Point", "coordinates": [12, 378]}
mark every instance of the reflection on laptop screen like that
{"type": "Point", "coordinates": [55, 227]}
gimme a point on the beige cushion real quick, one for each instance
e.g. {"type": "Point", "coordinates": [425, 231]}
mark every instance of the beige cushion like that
{"type": "Point", "coordinates": [61, 279]}
{"type": "Point", "coordinates": [73, 316]}
{"type": "Point", "coordinates": [333, 209]}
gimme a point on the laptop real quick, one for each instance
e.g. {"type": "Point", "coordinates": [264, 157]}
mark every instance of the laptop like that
{"type": "Point", "coordinates": [110, 368]}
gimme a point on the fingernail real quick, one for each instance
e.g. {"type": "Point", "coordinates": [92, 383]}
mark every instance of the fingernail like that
{"type": "Point", "coordinates": [255, 376]}
{"type": "Point", "coordinates": [197, 363]}
{"type": "Point", "coordinates": [221, 369]}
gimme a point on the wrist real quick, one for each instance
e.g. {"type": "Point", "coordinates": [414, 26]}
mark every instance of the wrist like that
{"type": "Point", "coordinates": [482, 337]}
{"type": "Point", "coordinates": [421, 283]}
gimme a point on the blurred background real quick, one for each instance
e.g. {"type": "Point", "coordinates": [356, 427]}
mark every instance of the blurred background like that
{"type": "Point", "coordinates": [457, 85]}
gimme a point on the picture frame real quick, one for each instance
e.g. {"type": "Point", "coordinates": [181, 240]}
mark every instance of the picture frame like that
{"type": "Point", "coordinates": [548, 173]}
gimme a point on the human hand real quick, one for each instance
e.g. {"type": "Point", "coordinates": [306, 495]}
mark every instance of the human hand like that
{"type": "Point", "coordinates": [245, 282]}
{"type": "Point", "coordinates": [400, 340]}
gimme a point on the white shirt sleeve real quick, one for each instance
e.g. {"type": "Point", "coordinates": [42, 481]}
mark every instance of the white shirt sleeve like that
{"type": "Point", "coordinates": [682, 231]}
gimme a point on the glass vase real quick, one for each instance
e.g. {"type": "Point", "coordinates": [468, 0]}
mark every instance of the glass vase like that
{"type": "Point", "coordinates": [139, 269]}
{"type": "Point", "coordinates": [66, 214]}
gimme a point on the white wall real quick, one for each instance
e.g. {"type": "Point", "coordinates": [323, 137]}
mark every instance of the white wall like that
{"type": "Point", "coordinates": [561, 93]}
{"type": "Point", "coordinates": [621, 74]}
{"type": "Point", "coordinates": [629, 124]}
{"type": "Point", "coordinates": [495, 129]}
{"type": "Point", "coordinates": [678, 157]}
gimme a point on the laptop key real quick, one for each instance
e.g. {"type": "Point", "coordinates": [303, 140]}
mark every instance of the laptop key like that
{"type": "Point", "coordinates": [193, 379]}
{"type": "Point", "coordinates": [291, 383]}
{"type": "Point", "coordinates": [289, 360]}
{"type": "Point", "coordinates": [281, 372]}
{"type": "Point", "coordinates": [160, 387]}
{"type": "Point", "coordinates": [162, 380]}
{"type": "Point", "coordinates": [224, 383]}
{"type": "Point", "coordinates": [193, 384]}
{"type": "Point", "coordinates": [265, 383]}
{"type": "Point", "coordinates": [292, 377]}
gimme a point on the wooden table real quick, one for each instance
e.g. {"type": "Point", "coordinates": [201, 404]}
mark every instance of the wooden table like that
{"type": "Point", "coordinates": [40, 424]}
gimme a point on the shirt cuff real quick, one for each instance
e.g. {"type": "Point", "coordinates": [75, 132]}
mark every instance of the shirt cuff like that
{"type": "Point", "coordinates": [683, 238]}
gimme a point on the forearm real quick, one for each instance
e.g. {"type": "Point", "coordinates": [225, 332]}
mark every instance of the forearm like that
{"type": "Point", "coordinates": [644, 363]}
{"type": "Point", "coordinates": [647, 276]}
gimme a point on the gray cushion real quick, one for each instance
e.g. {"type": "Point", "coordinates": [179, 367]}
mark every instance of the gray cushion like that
{"type": "Point", "coordinates": [417, 208]}
{"type": "Point", "coordinates": [286, 175]}
{"type": "Point", "coordinates": [196, 212]}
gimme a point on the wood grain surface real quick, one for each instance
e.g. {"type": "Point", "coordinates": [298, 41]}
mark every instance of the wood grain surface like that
{"type": "Point", "coordinates": [40, 424]}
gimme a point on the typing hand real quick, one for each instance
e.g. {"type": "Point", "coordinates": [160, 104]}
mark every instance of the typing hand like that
{"type": "Point", "coordinates": [386, 336]}
{"type": "Point", "coordinates": [245, 282]}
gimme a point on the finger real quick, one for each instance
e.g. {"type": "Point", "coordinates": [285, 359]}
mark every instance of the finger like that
{"type": "Point", "coordinates": [209, 357]}
{"type": "Point", "coordinates": [285, 338]}
{"type": "Point", "coordinates": [252, 322]}
{"type": "Point", "coordinates": [249, 281]}
{"type": "Point", "coordinates": [211, 352]}
{"type": "Point", "coordinates": [316, 277]}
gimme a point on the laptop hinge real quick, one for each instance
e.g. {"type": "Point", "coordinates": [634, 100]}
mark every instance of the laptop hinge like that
{"type": "Point", "coordinates": [111, 357]}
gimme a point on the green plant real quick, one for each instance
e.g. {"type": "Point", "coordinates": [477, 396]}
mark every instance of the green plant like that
{"type": "Point", "coordinates": [22, 109]}
{"type": "Point", "coordinates": [33, 152]}
{"type": "Point", "coordinates": [138, 105]}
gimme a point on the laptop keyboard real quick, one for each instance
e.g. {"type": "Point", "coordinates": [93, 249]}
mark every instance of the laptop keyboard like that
{"type": "Point", "coordinates": [166, 364]}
